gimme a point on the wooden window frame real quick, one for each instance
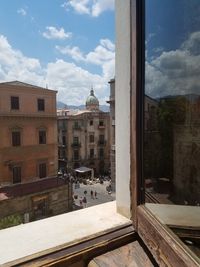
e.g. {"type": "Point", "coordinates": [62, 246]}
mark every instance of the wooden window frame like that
{"type": "Point", "coordinates": [165, 246]}
{"type": "Point", "coordinates": [162, 243]}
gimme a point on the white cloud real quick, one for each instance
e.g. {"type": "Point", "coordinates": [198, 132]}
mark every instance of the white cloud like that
{"type": "Point", "coordinates": [53, 33]}
{"type": "Point", "coordinates": [89, 7]}
{"type": "Point", "coordinates": [74, 52]}
{"type": "Point", "coordinates": [22, 12]}
{"type": "Point", "coordinates": [175, 72]}
{"type": "Point", "coordinates": [100, 6]}
{"type": "Point", "coordinates": [72, 82]}
{"type": "Point", "coordinates": [103, 56]}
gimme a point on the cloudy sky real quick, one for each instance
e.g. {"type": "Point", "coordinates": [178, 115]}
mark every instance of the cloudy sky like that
{"type": "Point", "coordinates": [172, 47]}
{"type": "Point", "coordinates": [67, 45]}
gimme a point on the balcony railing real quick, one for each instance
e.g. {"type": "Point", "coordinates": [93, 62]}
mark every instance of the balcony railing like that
{"type": "Point", "coordinates": [77, 128]}
{"type": "Point", "coordinates": [62, 145]}
{"type": "Point", "coordinates": [76, 144]}
{"type": "Point", "coordinates": [101, 127]}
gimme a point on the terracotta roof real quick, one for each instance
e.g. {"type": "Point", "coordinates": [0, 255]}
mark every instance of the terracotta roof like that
{"type": "Point", "coordinates": [22, 84]}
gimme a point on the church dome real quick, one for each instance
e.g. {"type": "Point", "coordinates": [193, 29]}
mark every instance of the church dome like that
{"type": "Point", "coordinates": [92, 103]}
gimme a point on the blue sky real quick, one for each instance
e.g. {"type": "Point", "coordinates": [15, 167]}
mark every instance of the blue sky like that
{"type": "Point", "coordinates": [68, 45]}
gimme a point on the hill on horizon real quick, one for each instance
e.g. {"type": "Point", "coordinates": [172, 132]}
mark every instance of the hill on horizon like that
{"type": "Point", "coordinates": [60, 104]}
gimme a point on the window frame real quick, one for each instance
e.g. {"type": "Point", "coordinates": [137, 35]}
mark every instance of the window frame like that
{"type": "Point", "coordinates": [12, 104]}
{"type": "Point", "coordinates": [91, 138]}
{"type": "Point", "coordinates": [140, 215]}
{"type": "Point", "coordinates": [46, 170]}
{"type": "Point", "coordinates": [42, 140]}
{"type": "Point", "coordinates": [41, 104]}
{"type": "Point", "coordinates": [19, 142]}
{"type": "Point", "coordinates": [165, 246]}
{"type": "Point", "coordinates": [16, 166]}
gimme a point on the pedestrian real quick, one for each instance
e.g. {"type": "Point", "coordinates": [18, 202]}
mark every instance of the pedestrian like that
{"type": "Point", "coordinates": [84, 202]}
{"type": "Point", "coordinates": [91, 193]}
{"type": "Point", "coordinates": [95, 194]}
{"type": "Point", "coordinates": [81, 202]}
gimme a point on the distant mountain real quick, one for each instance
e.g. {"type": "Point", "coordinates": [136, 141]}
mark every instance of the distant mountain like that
{"type": "Point", "coordinates": [60, 104]}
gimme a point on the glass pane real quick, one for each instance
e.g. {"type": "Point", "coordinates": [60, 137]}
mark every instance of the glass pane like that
{"type": "Point", "coordinates": [172, 115]}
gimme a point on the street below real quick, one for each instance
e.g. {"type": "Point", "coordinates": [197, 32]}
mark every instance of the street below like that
{"type": "Point", "coordinates": [102, 194]}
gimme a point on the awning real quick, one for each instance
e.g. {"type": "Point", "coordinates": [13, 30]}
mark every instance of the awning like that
{"type": "Point", "coordinates": [83, 169]}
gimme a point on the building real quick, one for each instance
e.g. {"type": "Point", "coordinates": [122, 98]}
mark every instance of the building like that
{"type": "Point", "coordinates": [28, 136]}
{"type": "Point", "coordinates": [29, 187]}
{"type": "Point", "coordinates": [111, 101]}
{"type": "Point", "coordinates": [33, 201]}
{"type": "Point", "coordinates": [84, 137]}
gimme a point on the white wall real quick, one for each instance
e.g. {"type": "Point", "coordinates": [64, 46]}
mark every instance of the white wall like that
{"type": "Point", "coordinates": [122, 95]}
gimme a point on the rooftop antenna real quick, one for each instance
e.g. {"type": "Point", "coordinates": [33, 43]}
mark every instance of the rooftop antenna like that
{"type": "Point", "coordinates": [46, 86]}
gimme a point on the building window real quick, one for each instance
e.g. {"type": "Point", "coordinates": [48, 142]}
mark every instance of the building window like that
{"type": "Point", "coordinates": [16, 172]}
{"type": "Point", "coordinates": [91, 122]}
{"type": "Point", "coordinates": [76, 155]}
{"type": "Point", "coordinates": [91, 153]}
{"type": "Point", "coordinates": [91, 138]}
{"type": "Point", "coordinates": [41, 104]}
{"type": "Point", "coordinates": [16, 138]}
{"type": "Point", "coordinates": [14, 102]}
{"type": "Point", "coordinates": [42, 170]}
{"type": "Point", "coordinates": [42, 137]}
{"type": "Point", "coordinates": [101, 138]}
{"type": "Point", "coordinates": [101, 153]}
{"type": "Point", "coordinates": [75, 140]}
{"type": "Point", "coordinates": [64, 140]}
{"type": "Point", "coordinates": [101, 123]}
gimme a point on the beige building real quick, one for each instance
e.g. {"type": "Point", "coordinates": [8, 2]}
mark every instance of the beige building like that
{"type": "Point", "coordinates": [84, 137]}
{"type": "Point", "coordinates": [28, 136]}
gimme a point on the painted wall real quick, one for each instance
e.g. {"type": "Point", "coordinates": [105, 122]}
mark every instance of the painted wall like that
{"type": "Point", "coordinates": [122, 95]}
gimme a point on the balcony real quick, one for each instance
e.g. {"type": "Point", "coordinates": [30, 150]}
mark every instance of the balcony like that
{"type": "Point", "coordinates": [76, 144]}
{"type": "Point", "coordinates": [101, 127]}
{"type": "Point", "coordinates": [77, 128]}
{"type": "Point", "coordinates": [60, 145]}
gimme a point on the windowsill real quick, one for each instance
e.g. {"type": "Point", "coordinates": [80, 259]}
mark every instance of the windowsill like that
{"type": "Point", "coordinates": [176, 215]}
{"type": "Point", "coordinates": [48, 235]}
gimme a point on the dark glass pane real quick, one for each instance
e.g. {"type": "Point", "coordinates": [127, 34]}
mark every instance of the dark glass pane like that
{"type": "Point", "coordinates": [42, 137]}
{"type": "Point", "coordinates": [91, 138]}
{"type": "Point", "coordinates": [16, 174]}
{"type": "Point", "coordinates": [14, 102]}
{"type": "Point", "coordinates": [41, 105]}
{"type": "Point", "coordinates": [171, 154]}
{"type": "Point", "coordinates": [16, 141]}
{"type": "Point", "coordinates": [42, 170]}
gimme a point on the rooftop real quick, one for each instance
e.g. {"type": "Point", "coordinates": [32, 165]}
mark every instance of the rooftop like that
{"type": "Point", "coordinates": [19, 190]}
{"type": "Point", "coordinates": [23, 85]}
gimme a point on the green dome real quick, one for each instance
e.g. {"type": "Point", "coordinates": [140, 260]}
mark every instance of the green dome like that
{"type": "Point", "coordinates": [92, 101]}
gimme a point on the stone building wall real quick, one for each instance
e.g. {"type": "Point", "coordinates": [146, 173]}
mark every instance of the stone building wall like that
{"type": "Point", "coordinates": [58, 201]}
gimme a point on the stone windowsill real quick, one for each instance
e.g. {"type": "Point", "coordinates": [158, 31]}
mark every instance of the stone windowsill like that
{"type": "Point", "coordinates": [28, 241]}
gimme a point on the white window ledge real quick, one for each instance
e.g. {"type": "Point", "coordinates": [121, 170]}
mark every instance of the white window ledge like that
{"type": "Point", "coordinates": [26, 241]}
